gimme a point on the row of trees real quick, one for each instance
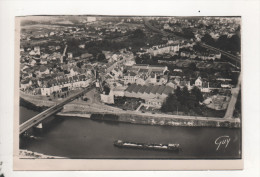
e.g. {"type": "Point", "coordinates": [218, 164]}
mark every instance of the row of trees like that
{"type": "Point", "coordinates": [183, 101]}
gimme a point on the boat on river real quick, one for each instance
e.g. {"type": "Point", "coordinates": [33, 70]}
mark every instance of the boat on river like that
{"type": "Point", "coordinates": [166, 147]}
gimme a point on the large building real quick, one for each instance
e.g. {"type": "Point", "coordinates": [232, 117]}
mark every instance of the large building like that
{"type": "Point", "coordinates": [154, 95]}
{"type": "Point", "coordinates": [162, 49]}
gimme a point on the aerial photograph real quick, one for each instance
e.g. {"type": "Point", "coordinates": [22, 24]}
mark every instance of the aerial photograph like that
{"type": "Point", "coordinates": [129, 87]}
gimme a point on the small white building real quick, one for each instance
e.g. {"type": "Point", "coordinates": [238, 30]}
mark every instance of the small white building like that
{"type": "Point", "coordinates": [198, 82]}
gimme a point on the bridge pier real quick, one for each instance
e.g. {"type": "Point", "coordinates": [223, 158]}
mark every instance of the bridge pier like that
{"type": "Point", "coordinates": [40, 126]}
{"type": "Point", "coordinates": [38, 129]}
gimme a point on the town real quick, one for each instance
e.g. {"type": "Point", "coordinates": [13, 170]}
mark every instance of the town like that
{"type": "Point", "coordinates": [154, 65]}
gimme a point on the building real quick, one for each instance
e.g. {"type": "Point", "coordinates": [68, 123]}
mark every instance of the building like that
{"type": "Point", "coordinates": [119, 91]}
{"type": "Point", "coordinates": [86, 56]}
{"type": "Point", "coordinates": [198, 82]}
{"type": "Point", "coordinates": [25, 84]}
{"type": "Point", "coordinates": [154, 95]}
{"type": "Point", "coordinates": [161, 49]}
{"type": "Point", "coordinates": [70, 55]}
{"type": "Point", "coordinates": [43, 61]}
{"type": "Point", "coordinates": [58, 85]}
{"type": "Point", "coordinates": [107, 98]}
{"type": "Point", "coordinates": [37, 50]}
{"type": "Point", "coordinates": [43, 70]}
{"type": "Point", "coordinates": [130, 77]}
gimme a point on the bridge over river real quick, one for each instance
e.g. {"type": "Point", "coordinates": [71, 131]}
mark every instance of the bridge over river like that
{"type": "Point", "coordinates": [34, 121]}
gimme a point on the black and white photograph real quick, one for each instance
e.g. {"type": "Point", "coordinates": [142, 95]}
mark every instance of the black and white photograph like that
{"type": "Point", "coordinates": [130, 87]}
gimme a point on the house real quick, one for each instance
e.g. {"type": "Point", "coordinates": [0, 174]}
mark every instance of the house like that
{"type": "Point", "coordinates": [130, 77]}
{"type": "Point", "coordinates": [43, 61]}
{"type": "Point", "coordinates": [177, 70]}
{"type": "Point", "coordinates": [107, 98]}
{"type": "Point", "coordinates": [141, 80]}
{"type": "Point", "coordinates": [130, 63]}
{"type": "Point", "coordinates": [170, 84]}
{"type": "Point", "coordinates": [70, 55]}
{"type": "Point", "coordinates": [43, 70]}
{"type": "Point", "coordinates": [32, 52]}
{"type": "Point", "coordinates": [45, 56]}
{"type": "Point", "coordinates": [32, 62]}
{"type": "Point", "coordinates": [205, 87]}
{"type": "Point", "coordinates": [86, 56]}
{"type": "Point", "coordinates": [57, 47]}
{"type": "Point", "coordinates": [116, 73]}
{"type": "Point", "coordinates": [25, 84]}
{"type": "Point", "coordinates": [198, 82]}
{"type": "Point", "coordinates": [114, 57]}
{"type": "Point", "coordinates": [161, 49]}
{"type": "Point", "coordinates": [74, 71]}
{"type": "Point", "coordinates": [23, 67]}
{"type": "Point", "coordinates": [82, 46]}
{"type": "Point", "coordinates": [37, 50]}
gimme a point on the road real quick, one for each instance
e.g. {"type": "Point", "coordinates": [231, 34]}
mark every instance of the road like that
{"type": "Point", "coordinates": [90, 108]}
{"type": "Point", "coordinates": [232, 102]}
{"type": "Point", "coordinates": [52, 110]}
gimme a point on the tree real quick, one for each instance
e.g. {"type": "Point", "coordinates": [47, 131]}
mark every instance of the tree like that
{"type": "Point", "coordinates": [94, 51]}
{"type": "Point", "coordinates": [208, 39]}
{"type": "Point", "coordinates": [222, 42]}
{"type": "Point", "coordinates": [138, 34]}
{"type": "Point", "coordinates": [79, 64]}
{"type": "Point", "coordinates": [101, 57]}
{"type": "Point", "coordinates": [170, 104]}
{"type": "Point", "coordinates": [235, 43]}
{"type": "Point", "coordinates": [193, 67]}
{"type": "Point", "coordinates": [197, 93]}
{"type": "Point", "coordinates": [106, 89]}
{"type": "Point", "coordinates": [178, 92]}
{"type": "Point", "coordinates": [184, 97]}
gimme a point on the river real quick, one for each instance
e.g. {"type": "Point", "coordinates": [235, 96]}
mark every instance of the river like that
{"type": "Point", "coordinates": [75, 137]}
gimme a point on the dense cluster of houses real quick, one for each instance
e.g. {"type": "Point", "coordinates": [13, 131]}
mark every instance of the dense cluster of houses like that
{"type": "Point", "coordinates": [214, 26]}
{"type": "Point", "coordinates": [58, 85]}
{"type": "Point", "coordinates": [45, 74]}
{"type": "Point", "coordinates": [152, 84]}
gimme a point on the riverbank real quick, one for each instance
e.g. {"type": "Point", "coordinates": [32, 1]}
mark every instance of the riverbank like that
{"type": "Point", "coordinates": [80, 109]}
{"type": "Point", "coordinates": [87, 116]}
{"type": "Point", "coordinates": [163, 121]}
{"type": "Point", "coordinates": [37, 100]}
{"type": "Point", "coordinates": [25, 154]}
{"type": "Point", "coordinates": [31, 105]}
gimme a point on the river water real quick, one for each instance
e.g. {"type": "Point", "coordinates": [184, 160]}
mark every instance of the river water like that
{"type": "Point", "coordinates": [75, 137]}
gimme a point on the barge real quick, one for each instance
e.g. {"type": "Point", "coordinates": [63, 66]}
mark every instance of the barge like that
{"type": "Point", "coordinates": [166, 147]}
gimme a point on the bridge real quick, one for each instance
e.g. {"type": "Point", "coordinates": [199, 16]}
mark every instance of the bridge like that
{"type": "Point", "coordinates": [34, 121]}
{"type": "Point", "coordinates": [232, 57]}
